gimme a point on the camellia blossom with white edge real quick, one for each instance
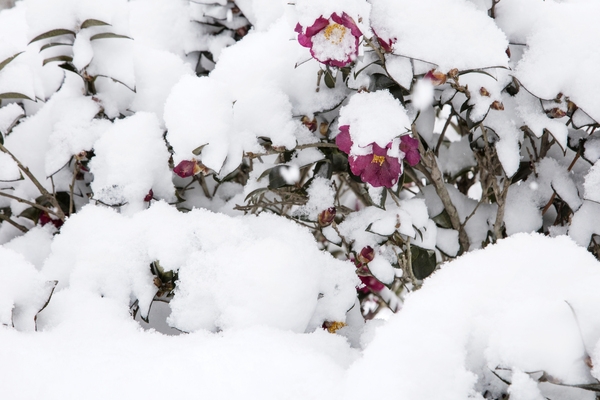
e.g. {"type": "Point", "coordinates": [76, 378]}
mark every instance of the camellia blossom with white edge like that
{"type": "Point", "coordinates": [333, 41]}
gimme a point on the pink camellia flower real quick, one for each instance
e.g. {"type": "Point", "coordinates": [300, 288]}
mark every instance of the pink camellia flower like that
{"type": "Point", "coordinates": [332, 41]}
{"type": "Point", "coordinates": [187, 168]}
{"type": "Point", "coordinates": [378, 168]}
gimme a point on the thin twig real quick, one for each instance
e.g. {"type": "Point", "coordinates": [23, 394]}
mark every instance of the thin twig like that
{"type": "Point", "coordinates": [13, 223]}
{"type": "Point", "coordinates": [59, 213]}
{"type": "Point", "coordinates": [35, 205]}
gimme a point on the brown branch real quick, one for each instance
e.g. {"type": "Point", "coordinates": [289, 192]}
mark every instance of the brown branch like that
{"type": "Point", "coordinates": [428, 166]}
{"type": "Point", "coordinates": [13, 223]}
{"type": "Point", "coordinates": [32, 204]}
{"type": "Point", "coordinates": [59, 213]}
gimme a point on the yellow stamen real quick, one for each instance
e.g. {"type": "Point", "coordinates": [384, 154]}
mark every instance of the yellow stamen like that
{"type": "Point", "coordinates": [335, 33]}
{"type": "Point", "coordinates": [378, 159]}
{"type": "Point", "coordinates": [335, 326]}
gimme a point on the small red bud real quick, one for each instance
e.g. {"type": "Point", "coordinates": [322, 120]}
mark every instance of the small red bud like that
{"type": "Point", "coordinates": [366, 255]}
{"type": "Point", "coordinates": [149, 196]}
{"type": "Point", "coordinates": [187, 168]}
{"type": "Point", "coordinates": [327, 216]}
{"type": "Point", "coordinates": [311, 124]}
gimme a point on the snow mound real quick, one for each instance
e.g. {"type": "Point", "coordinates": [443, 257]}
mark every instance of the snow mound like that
{"type": "Point", "coordinates": [507, 306]}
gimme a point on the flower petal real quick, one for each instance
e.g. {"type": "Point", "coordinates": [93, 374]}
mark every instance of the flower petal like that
{"type": "Point", "coordinates": [343, 139]}
{"type": "Point", "coordinates": [318, 26]}
{"type": "Point", "coordinates": [348, 22]}
{"type": "Point", "coordinates": [410, 148]}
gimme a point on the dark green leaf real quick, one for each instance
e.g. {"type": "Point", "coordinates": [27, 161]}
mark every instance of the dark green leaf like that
{"type": "Point", "coordinates": [49, 45]}
{"type": "Point", "coordinates": [383, 199]}
{"type": "Point", "coordinates": [58, 58]}
{"type": "Point", "coordinates": [31, 213]}
{"type": "Point", "coordinates": [443, 220]}
{"type": "Point", "coordinates": [276, 179]}
{"type": "Point", "coordinates": [423, 262]}
{"type": "Point", "coordinates": [345, 73]}
{"type": "Point", "coordinates": [329, 79]}
{"type": "Point", "coordinates": [14, 95]}
{"type": "Point", "coordinates": [255, 193]}
{"type": "Point", "coordinates": [117, 81]}
{"type": "Point", "coordinates": [69, 67]}
{"type": "Point", "coordinates": [382, 81]}
{"type": "Point", "coordinates": [465, 106]}
{"type": "Point", "coordinates": [63, 199]}
{"type": "Point", "coordinates": [198, 149]}
{"type": "Point", "coordinates": [52, 33]}
{"type": "Point", "coordinates": [324, 169]}
{"type": "Point", "coordinates": [8, 60]}
{"type": "Point", "coordinates": [108, 35]}
{"type": "Point", "coordinates": [92, 22]}
{"type": "Point", "coordinates": [470, 123]}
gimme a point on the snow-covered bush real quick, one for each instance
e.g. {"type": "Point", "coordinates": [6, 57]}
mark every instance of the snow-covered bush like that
{"type": "Point", "coordinates": [304, 166]}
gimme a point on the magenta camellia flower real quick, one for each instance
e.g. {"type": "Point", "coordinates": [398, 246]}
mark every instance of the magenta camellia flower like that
{"type": "Point", "coordinates": [379, 168]}
{"type": "Point", "coordinates": [332, 41]}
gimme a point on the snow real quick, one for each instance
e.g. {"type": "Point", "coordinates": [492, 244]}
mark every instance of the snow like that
{"type": "Point", "coordinates": [556, 54]}
{"type": "Point", "coordinates": [430, 31]}
{"type": "Point", "coordinates": [130, 160]}
{"type": "Point", "coordinates": [264, 305]}
{"type": "Point", "coordinates": [490, 308]}
{"type": "Point", "coordinates": [321, 196]}
{"type": "Point", "coordinates": [374, 117]}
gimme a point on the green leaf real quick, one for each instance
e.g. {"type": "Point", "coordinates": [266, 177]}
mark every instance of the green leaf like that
{"type": "Point", "coordinates": [52, 33]}
{"type": "Point", "coordinates": [329, 79]}
{"type": "Point", "coordinates": [383, 198]}
{"type": "Point", "coordinates": [68, 66]}
{"type": "Point", "coordinates": [108, 35]}
{"type": "Point", "coordinates": [54, 44]}
{"type": "Point", "coordinates": [465, 106]}
{"type": "Point", "coordinates": [443, 220]}
{"type": "Point", "coordinates": [14, 95]}
{"type": "Point", "coordinates": [117, 81]}
{"type": "Point", "coordinates": [423, 262]}
{"type": "Point", "coordinates": [276, 179]}
{"type": "Point", "coordinates": [31, 213]}
{"type": "Point", "coordinates": [255, 193]}
{"type": "Point", "coordinates": [198, 149]}
{"type": "Point", "coordinates": [58, 58]}
{"type": "Point", "coordinates": [92, 22]}
{"type": "Point", "coordinates": [8, 60]}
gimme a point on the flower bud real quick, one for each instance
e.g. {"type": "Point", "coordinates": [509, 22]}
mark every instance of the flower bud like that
{"type": "Point", "coordinates": [149, 196]}
{"type": "Point", "coordinates": [437, 78]}
{"type": "Point", "coordinates": [484, 92]}
{"type": "Point", "coordinates": [366, 255]}
{"type": "Point", "coordinates": [311, 124]}
{"type": "Point", "coordinates": [453, 73]}
{"type": "Point", "coordinates": [187, 168]}
{"type": "Point", "coordinates": [496, 105]}
{"type": "Point", "coordinates": [556, 113]}
{"type": "Point", "coordinates": [327, 216]}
